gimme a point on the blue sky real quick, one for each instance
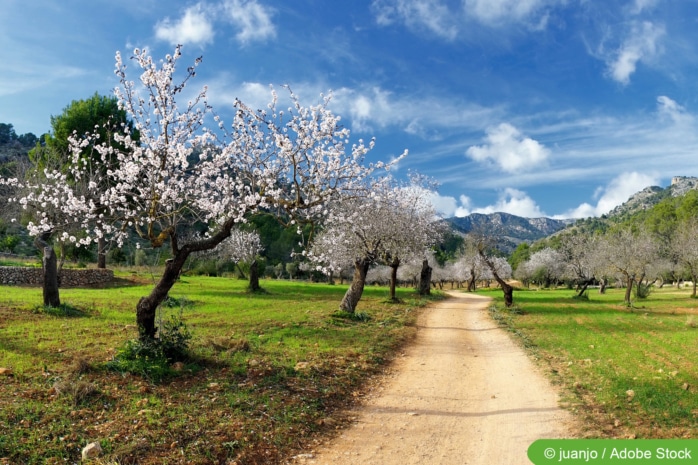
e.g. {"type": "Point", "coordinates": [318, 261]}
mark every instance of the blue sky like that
{"type": "Point", "coordinates": [559, 108]}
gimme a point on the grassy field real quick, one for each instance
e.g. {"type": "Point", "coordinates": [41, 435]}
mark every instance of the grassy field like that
{"type": "Point", "coordinates": [267, 373]}
{"type": "Point", "coordinates": [627, 372]}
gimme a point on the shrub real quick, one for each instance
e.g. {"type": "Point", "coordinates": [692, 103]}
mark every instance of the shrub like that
{"type": "Point", "coordinates": [151, 358]}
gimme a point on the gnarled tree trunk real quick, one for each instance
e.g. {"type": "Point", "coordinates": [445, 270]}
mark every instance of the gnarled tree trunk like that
{"type": "Point", "coordinates": [50, 269]}
{"type": "Point", "coordinates": [146, 309]}
{"type": "Point", "coordinates": [254, 276]}
{"type": "Point", "coordinates": [356, 288]}
{"type": "Point", "coordinates": [393, 277]}
{"type": "Point", "coordinates": [425, 279]}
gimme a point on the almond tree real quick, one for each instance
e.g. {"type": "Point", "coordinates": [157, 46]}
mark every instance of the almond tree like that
{"type": "Point", "coordinates": [684, 246]}
{"type": "Point", "coordinates": [354, 233]}
{"type": "Point", "coordinates": [579, 251]}
{"type": "Point", "coordinates": [414, 222]}
{"type": "Point", "coordinates": [629, 253]}
{"type": "Point", "coordinates": [181, 174]}
{"type": "Point", "coordinates": [389, 224]}
{"type": "Point", "coordinates": [546, 265]}
{"type": "Point", "coordinates": [499, 268]}
{"type": "Point", "coordinates": [241, 246]}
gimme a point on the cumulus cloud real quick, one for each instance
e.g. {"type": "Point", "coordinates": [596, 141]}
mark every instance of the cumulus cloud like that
{"type": "Point", "coordinates": [193, 27]}
{"type": "Point", "coordinates": [447, 206]}
{"type": "Point", "coordinates": [512, 151]}
{"type": "Point", "coordinates": [512, 201]}
{"type": "Point", "coordinates": [253, 20]}
{"type": "Point", "coordinates": [642, 44]}
{"type": "Point", "coordinates": [618, 191]}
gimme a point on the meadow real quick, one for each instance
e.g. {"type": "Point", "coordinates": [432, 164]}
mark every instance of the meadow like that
{"type": "Point", "coordinates": [625, 372]}
{"type": "Point", "coordinates": [268, 373]}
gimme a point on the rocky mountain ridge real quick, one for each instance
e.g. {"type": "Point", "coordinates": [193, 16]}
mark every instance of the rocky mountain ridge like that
{"type": "Point", "coordinates": [508, 230]}
{"type": "Point", "coordinates": [652, 195]}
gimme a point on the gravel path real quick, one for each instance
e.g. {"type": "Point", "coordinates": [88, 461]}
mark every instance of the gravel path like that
{"type": "Point", "coordinates": [463, 393]}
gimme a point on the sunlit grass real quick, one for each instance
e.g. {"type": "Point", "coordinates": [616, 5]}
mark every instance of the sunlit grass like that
{"type": "Point", "coordinates": [627, 371]}
{"type": "Point", "coordinates": [266, 370]}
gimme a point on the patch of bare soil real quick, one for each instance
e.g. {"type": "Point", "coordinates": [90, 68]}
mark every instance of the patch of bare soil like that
{"type": "Point", "coordinates": [463, 393]}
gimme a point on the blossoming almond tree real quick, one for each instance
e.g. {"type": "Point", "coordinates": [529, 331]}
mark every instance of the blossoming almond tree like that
{"type": "Point", "coordinates": [391, 224]}
{"type": "Point", "coordinates": [242, 246]}
{"type": "Point", "coordinates": [181, 173]}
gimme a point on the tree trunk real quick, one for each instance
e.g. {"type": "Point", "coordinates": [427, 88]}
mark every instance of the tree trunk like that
{"type": "Point", "coordinates": [425, 279]}
{"type": "Point", "coordinates": [254, 276]}
{"type": "Point", "coordinates": [583, 289]}
{"type": "Point", "coordinates": [602, 286]}
{"type": "Point", "coordinates": [471, 284]}
{"type": "Point", "coordinates": [356, 288]}
{"type": "Point", "coordinates": [393, 278]}
{"type": "Point", "coordinates": [101, 254]}
{"type": "Point", "coordinates": [693, 294]}
{"type": "Point", "coordinates": [630, 281]}
{"type": "Point", "coordinates": [242, 273]}
{"type": "Point", "coordinates": [507, 290]}
{"type": "Point", "coordinates": [50, 271]}
{"type": "Point", "coordinates": [147, 307]}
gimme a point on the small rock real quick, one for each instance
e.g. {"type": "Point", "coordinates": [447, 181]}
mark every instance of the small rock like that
{"type": "Point", "coordinates": [178, 366]}
{"type": "Point", "coordinates": [91, 451]}
{"type": "Point", "coordinates": [685, 386]}
{"type": "Point", "coordinates": [5, 372]}
{"type": "Point", "coordinates": [301, 366]}
{"type": "Point", "coordinates": [630, 393]}
{"type": "Point", "coordinates": [253, 363]}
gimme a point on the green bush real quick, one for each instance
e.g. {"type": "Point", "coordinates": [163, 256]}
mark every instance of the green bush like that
{"type": "Point", "coordinates": [152, 358]}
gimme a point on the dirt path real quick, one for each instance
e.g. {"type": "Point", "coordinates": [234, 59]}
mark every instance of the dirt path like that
{"type": "Point", "coordinates": [463, 393]}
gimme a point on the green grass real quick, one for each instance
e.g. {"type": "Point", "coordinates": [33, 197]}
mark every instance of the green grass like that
{"type": "Point", "coordinates": [267, 371]}
{"type": "Point", "coordinates": [626, 372]}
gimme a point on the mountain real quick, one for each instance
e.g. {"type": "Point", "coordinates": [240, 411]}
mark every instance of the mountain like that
{"type": "Point", "coordinates": [651, 196]}
{"type": "Point", "coordinates": [508, 230]}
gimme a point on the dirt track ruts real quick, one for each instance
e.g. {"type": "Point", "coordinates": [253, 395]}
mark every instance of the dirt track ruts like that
{"type": "Point", "coordinates": [463, 393]}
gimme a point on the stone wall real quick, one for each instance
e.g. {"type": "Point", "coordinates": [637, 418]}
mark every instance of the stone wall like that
{"type": "Point", "coordinates": [68, 277]}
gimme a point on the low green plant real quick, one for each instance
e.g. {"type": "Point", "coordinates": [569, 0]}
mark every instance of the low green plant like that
{"type": "Point", "coordinates": [352, 316]}
{"type": "Point", "coordinates": [63, 310]}
{"type": "Point", "coordinates": [152, 358]}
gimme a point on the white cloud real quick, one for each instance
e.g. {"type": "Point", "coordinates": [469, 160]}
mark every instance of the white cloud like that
{"type": "Point", "coordinates": [253, 20]}
{"type": "Point", "coordinates": [499, 12]}
{"type": "Point", "coordinates": [510, 149]}
{"type": "Point", "coordinates": [514, 202]}
{"type": "Point", "coordinates": [641, 45]}
{"type": "Point", "coordinates": [639, 6]}
{"type": "Point", "coordinates": [618, 191]}
{"type": "Point", "coordinates": [669, 109]}
{"type": "Point", "coordinates": [447, 206]}
{"type": "Point", "coordinates": [193, 27]}
{"type": "Point", "coordinates": [431, 15]}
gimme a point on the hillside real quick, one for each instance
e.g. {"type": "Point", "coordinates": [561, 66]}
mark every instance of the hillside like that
{"type": "Point", "coordinates": [508, 230]}
{"type": "Point", "coordinates": [651, 196]}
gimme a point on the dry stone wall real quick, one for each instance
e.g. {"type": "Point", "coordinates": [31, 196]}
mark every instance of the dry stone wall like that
{"type": "Point", "coordinates": [20, 275]}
